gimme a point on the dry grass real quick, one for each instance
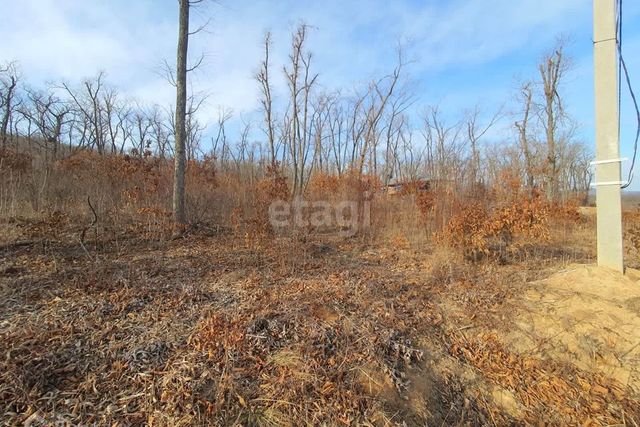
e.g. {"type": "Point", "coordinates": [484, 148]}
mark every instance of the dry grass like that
{"type": "Point", "coordinates": [208, 331]}
{"type": "Point", "coordinates": [237, 324]}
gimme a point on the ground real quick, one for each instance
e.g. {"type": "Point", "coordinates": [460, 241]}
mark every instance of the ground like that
{"type": "Point", "coordinates": [212, 329]}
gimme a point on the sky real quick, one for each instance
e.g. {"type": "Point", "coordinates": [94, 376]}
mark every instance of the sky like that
{"type": "Point", "coordinates": [462, 53]}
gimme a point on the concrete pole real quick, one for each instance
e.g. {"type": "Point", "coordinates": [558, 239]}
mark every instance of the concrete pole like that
{"type": "Point", "coordinates": [608, 202]}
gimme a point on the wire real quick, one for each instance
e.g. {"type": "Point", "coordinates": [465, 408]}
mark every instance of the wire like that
{"type": "Point", "coordinates": [618, 39]}
{"type": "Point", "coordinates": [635, 103]}
{"type": "Point", "coordinates": [623, 68]}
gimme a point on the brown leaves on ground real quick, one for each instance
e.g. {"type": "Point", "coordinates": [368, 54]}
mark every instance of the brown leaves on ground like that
{"type": "Point", "coordinates": [210, 331]}
{"type": "Point", "coordinates": [206, 331]}
{"type": "Point", "coordinates": [563, 393]}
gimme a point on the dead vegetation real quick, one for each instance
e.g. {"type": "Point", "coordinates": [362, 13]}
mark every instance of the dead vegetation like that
{"type": "Point", "coordinates": [418, 315]}
{"type": "Point", "coordinates": [223, 327]}
{"type": "Point", "coordinates": [425, 274]}
{"type": "Point", "coordinates": [416, 319]}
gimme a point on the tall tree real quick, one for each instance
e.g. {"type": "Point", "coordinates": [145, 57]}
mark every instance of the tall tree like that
{"type": "Point", "coordinates": [379, 99]}
{"type": "Point", "coordinates": [300, 82]}
{"type": "Point", "coordinates": [186, 126]}
{"type": "Point", "coordinates": [262, 76]}
{"type": "Point", "coordinates": [552, 70]}
{"type": "Point", "coordinates": [523, 134]}
{"type": "Point", "coordinates": [179, 191]}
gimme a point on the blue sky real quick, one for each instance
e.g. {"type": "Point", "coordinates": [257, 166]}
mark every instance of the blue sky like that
{"type": "Point", "coordinates": [463, 52]}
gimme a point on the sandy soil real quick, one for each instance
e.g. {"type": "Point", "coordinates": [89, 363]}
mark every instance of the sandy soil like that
{"type": "Point", "coordinates": [585, 315]}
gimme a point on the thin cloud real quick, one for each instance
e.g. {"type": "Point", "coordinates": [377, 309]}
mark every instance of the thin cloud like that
{"type": "Point", "coordinates": [458, 47]}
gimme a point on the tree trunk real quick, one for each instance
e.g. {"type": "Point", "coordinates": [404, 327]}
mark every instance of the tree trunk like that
{"type": "Point", "coordinates": [524, 138]}
{"type": "Point", "coordinates": [552, 71]}
{"type": "Point", "coordinates": [8, 109]}
{"type": "Point", "coordinates": [179, 213]}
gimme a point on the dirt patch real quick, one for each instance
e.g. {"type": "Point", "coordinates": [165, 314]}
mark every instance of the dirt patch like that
{"type": "Point", "coordinates": [587, 316]}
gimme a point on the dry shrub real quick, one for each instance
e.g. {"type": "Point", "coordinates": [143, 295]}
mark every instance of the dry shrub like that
{"type": "Point", "coordinates": [479, 231]}
{"type": "Point", "coordinates": [425, 202]}
{"type": "Point", "coordinates": [509, 188]}
{"type": "Point", "coordinates": [393, 220]}
{"type": "Point", "coordinates": [527, 217]}
{"type": "Point", "coordinates": [446, 267]}
{"type": "Point", "coordinates": [126, 180]}
{"type": "Point", "coordinates": [566, 212]}
{"type": "Point", "coordinates": [48, 226]}
{"type": "Point", "coordinates": [439, 204]}
{"type": "Point", "coordinates": [274, 185]}
{"type": "Point", "coordinates": [322, 183]}
{"type": "Point", "coordinates": [128, 192]}
{"type": "Point", "coordinates": [361, 185]}
{"type": "Point", "coordinates": [209, 196]}
{"type": "Point", "coordinates": [399, 241]}
{"type": "Point", "coordinates": [468, 231]}
{"type": "Point", "coordinates": [18, 189]}
{"type": "Point", "coordinates": [350, 186]}
{"type": "Point", "coordinates": [252, 219]}
{"type": "Point", "coordinates": [133, 192]}
{"type": "Point", "coordinates": [359, 189]}
{"type": "Point", "coordinates": [14, 161]}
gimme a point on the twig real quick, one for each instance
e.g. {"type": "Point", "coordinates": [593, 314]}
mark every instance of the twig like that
{"type": "Point", "coordinates": [94, 221]}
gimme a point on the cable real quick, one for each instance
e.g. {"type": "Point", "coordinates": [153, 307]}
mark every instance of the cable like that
{"type": "Point", "coordinates": [623, 68]}
{"type": "Point", "coordinates": [618, 39]}
{"type": "Point", "coordinates": [635, 103]}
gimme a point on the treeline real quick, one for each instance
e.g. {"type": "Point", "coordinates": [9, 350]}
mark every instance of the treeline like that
{"type": "Point", "coordinates": [377, 129]}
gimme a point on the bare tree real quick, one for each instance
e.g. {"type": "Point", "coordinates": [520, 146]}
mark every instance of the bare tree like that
{"type": "Point", "coordinates": [160, 130]}
{"type": "Point", "coordinates": [523, 125]}
{"type": "Point", "coordinates": [142, 128]}
{"type": "Point", "coordinates": [552, 70]}
{"type": "Point", "coordinates": [49, 114]}
{"type": "Point", "coordinates": [444, 148]}
{"type": "Point", "coordinates": [475, 131]}
{"type": "Point", "coordinates": [186, 129]}
{"type": "Point", "coordinates": [337, 134]}
{"type": "Point", "coordinates": [300, 82]}
{"type": "Point", "coordinates": [219, 143]}
{"type": "Point", "coordinates": [116, 115]}
{"type": "Point", "coordinates": [88, 101]}
{"type": "Point", "coordinates": [262, 76]}
{"type": "Point", "coordinates": [397, 124]}
{"type": "Point", "coordinates": [8, 86]}
{"type": "Point", "coordinates": [181, 115]}
{"type": "Point", "coordinates": [319, 119]}
{"type": "Point", "coordinates": [379, 98]}
{"type": "Point", "coordinates": [125, 123]}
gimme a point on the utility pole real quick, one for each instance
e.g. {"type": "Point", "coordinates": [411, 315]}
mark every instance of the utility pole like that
{"type": "Point", "coordinates": [608, 162]}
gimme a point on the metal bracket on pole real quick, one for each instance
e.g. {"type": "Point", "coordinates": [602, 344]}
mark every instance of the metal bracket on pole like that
{"type": "Point", "coordinates": [621, 183]}
{"type": "Point", "coordinates": [602, 162]}
{"type": "Point", "coordinates": [609, 161]}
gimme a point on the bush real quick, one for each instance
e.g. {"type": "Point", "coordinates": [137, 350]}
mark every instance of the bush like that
{"type": "Point", "coordinates": [479, 232]}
